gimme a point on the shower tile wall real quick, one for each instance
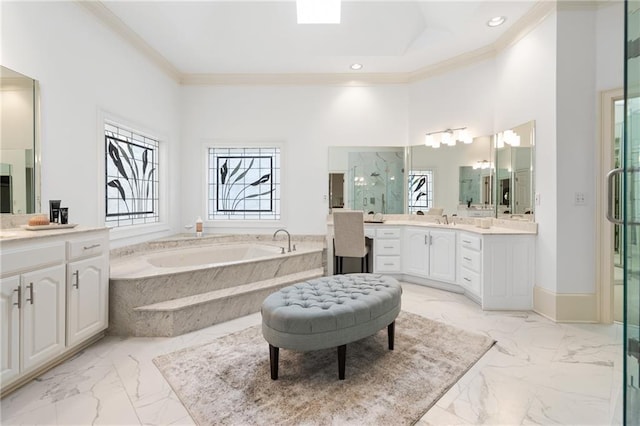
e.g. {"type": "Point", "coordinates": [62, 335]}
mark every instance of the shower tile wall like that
{"type": "Point", "coordinates": [376, 181]}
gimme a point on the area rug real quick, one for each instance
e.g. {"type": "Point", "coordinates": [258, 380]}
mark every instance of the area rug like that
{"type": "Point", "coordinates": [227, 381]}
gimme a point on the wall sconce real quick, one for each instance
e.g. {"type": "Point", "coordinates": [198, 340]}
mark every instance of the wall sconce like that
{"type": "Point", "coordinates": [447, 137]}
{"type": "Point", "coordinates": [508, 137]}
{"type": "Point", "coordinates": [484, 164]}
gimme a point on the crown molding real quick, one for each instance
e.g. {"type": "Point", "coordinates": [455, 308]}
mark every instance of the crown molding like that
{"type": "Point", "coordinates": [538, 13]}
{"type": "Point", "coordinates": [293, 79]}
{"type": "Point", "coordinates": [107, 17]}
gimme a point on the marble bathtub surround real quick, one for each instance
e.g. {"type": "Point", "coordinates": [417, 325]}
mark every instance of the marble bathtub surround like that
{"type": "Point", "coordinates": [168, 301]}
{"type": "Point", "coordinates": [190, 240]}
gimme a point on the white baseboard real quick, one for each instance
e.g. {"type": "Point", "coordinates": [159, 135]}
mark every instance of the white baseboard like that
{"type": "Point", "coordinates": [566, 307]}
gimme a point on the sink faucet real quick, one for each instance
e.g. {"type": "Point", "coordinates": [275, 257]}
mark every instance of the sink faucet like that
{"type": "Point", "coordinates": [288, 237]}
{"type": "Point", "coordinates": [446, 220]}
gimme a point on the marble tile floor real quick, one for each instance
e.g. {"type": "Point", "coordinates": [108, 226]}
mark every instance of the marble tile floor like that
{"type": "Point", "coordinates": [539, 372]}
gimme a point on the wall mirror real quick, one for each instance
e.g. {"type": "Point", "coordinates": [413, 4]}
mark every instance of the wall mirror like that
{"type": "Point", "coordinates": [371, 179]}
{"type": "Point", "coordinates": [19, 143]}
{"type": "Point", "coordinates": [458, 178]}
{"type": "Point", "coordinates": [514, 174]}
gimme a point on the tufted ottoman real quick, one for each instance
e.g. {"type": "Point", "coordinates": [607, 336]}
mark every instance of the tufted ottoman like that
{"type": "Point", "coordinates": [329, 312]}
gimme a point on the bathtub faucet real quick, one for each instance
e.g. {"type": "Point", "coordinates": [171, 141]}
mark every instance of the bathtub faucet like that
{"type": "Point", "coordinates": [288, 237]}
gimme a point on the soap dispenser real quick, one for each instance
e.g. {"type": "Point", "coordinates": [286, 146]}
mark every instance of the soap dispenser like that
{"type": "Point", "coordinates": [199, 227]}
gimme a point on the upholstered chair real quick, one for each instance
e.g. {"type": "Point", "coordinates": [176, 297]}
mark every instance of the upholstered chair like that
{"type": "Point", "coordinates": [348, 238]}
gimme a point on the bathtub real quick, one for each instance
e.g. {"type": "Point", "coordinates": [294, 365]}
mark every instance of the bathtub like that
{"type": "Point", "coordinates": [163, 292]}
{"type": "Point", "coordinates": [213, 255]}
{"type": "Point", "coordinates": [202, 257]}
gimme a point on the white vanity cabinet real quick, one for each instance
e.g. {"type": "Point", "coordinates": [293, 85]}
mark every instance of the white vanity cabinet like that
{"type": "Point", "coordinates": [87, 288]}
{"type": "Point", "coordinates": [387, 250]}
{"type": "Point", "coordinates": [429, 253]}
{"type": "Point", "coordinates": [32, 308]}
{"type": "Point", "coordinates": [508, 263]}
{"type": "Point", "coordinates": [470, 264]}
{"type": "Point", "coordinates": [497, 270]}
{"type": "Point", "coordinates": [45, 312]}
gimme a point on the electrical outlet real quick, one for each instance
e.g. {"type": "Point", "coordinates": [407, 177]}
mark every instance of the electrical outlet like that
{"type": "Point", "coordinates": [537, 198]}
{"type": "Point", "coordinates": [579, 199]}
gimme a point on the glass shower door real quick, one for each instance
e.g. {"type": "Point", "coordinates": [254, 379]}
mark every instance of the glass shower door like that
{"type": "Point", "coordinates": [631, 214]}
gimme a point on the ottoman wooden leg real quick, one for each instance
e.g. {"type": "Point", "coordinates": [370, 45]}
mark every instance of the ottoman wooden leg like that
{"type": "Point", "coordinates": [391, 331]}
{"type": "Point", "coordinates": [342, 358]}
{"type": "Point", "coordinates": [273, 360]}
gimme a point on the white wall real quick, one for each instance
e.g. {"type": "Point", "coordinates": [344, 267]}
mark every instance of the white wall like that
{"type": "Point", "coordinates": [610, 46]}
{"type": "Point", "coordinates": [307, 119]}
{"type": "Point", "coordinates": [576, 148]}
{"type": "Point", "coordinates": [525, 90]}
{"type": "Point", "coordinates": [84, 69]}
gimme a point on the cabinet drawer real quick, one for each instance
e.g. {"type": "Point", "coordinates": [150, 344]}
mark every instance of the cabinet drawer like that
{"type": "Point", "coordinates": [470, 281]}
{"type": "Point", "coordinates": [388, 233]}
{"type": "Point", "coordinates": [31, 258]}
{"type": "Point", "coordinates": [470, 259]}
{"type": "Point", "coordinates": [387, 247]}
{"type": "Point", "coordinates": [86, 247]}
{"type": "Point", "coordinates": [387, 263]}
{"type": "Point", "coordinates": [471, 241]}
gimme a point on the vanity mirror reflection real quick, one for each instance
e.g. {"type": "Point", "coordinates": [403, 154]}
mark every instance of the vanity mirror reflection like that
{"type": "Point", "coordinates": [19, 143]}
{"type": "Point", "coordinates": [460, 176]}
{"type": "Point", "coordinates": [370, 179]}
{"type": "Point", "coordinates": [492, 176]}
{"type": "Point", "coordinates": [514, 170]}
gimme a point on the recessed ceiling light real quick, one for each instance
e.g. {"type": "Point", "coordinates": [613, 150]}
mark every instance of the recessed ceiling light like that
{"type": "Point", "coordinates": [356, 67]}
{"type": "Point", "coordinates": [496, 21]}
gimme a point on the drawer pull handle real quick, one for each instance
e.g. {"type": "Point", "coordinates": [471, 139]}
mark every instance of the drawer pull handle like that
{"type": "Point", "coordinates": [30, 287]}
{"type": "Point", "coordinates": [467, 259]}
{"type": "Point", "coordinates": [467, 279]}
{"type": "Point", "coordinates": [77, 283]}
{"type": "Point", "coordinates": [466, 241]}
{"type": "Point", "coordinates": [19, 302]}
{"type": "Point", "coordinates": [92, 246]}
{"type": "Point", "coordinates": [388, 264]}
{"type": "Point", "coordinates": [388, 247]}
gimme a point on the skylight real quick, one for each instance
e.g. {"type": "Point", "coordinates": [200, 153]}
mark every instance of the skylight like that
{"type": "Point", "coordinates": [318, 11]}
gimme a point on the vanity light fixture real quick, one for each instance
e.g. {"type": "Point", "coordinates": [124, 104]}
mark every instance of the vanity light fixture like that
{"type": "Point", "coordinates": [484, 164]}
{"type": "Point", "coordinates": [447, 137]}
{"type": "Point", "coordinates": [508, 137]}
{"type": "Point", "coordinates": [356, 67]}
{"type": "Point", "coordinates": [318, 11]}
{"type": "Point", "coordinates": [496, 21]}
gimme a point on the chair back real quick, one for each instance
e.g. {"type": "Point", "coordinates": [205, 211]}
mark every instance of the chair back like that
{"type": "Point", "coordinates": [348, 234]}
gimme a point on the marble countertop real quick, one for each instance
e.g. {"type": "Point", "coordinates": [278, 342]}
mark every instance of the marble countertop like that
{"type": "Point", "coordinates": [498, 226]}
{"type": "Point", "coordinates": [21, 234]}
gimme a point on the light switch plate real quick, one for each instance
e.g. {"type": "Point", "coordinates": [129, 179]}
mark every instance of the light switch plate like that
{"type": "Point", "coordinates": [537, 198]}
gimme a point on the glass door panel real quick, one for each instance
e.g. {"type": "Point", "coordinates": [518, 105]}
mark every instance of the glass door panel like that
{"type": "Point", "coordinates": [631, 212]}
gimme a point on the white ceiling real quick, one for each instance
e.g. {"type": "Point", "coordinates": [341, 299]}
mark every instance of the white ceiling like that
{"type": "Point", "coordinates": [262, 37]}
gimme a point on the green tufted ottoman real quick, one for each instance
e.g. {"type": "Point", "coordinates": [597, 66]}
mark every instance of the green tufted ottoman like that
{"type": "Point", "coordinates": [329, 312]}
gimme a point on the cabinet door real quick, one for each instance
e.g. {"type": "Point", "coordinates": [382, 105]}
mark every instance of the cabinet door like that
{"type": "Point", "coordinates": [509, 269]}
{"type": "Point", "coordinates": [43, 315]}
{"type": "Point", "coordinates": [9, 329]}
{"type": "Point", "coordinates": [86, 298]}
{"type": "Point", "coordinates": [415, 256]}
{"type": "Point", "coordinates": [442, 256]}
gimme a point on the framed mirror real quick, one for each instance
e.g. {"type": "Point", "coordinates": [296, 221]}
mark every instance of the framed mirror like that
{"type": "Point", "coordinates": [19, 143]}
{"type": "Point", "coordinates": [371, 179]}
{"type": "Point", "coordinates": [514, 189]}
